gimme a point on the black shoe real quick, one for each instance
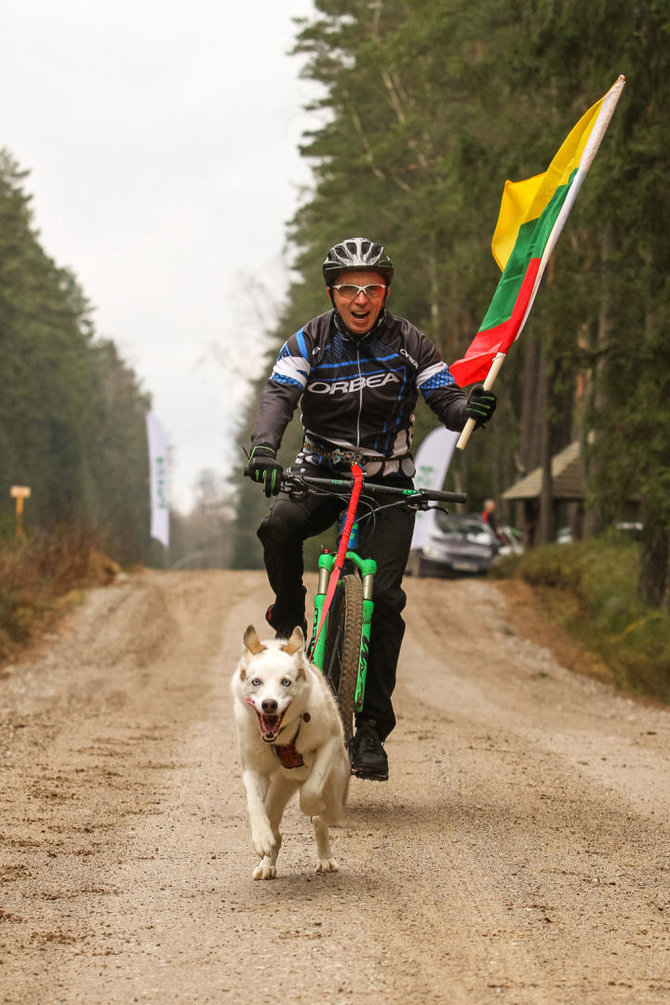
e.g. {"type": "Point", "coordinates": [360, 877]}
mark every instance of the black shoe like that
{"type": "Point", "coordinates": [368, 757]}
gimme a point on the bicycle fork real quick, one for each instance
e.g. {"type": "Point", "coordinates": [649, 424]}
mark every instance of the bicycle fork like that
{"type": "Point", "coordinates": [367, 568]}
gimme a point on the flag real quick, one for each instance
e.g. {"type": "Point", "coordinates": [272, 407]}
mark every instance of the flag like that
{"type": "Point", "coordinates": [158, 480]}
{"type": "Point", "coordinates": [432, 463]}
{"type": "Point", "coordinates": [532, 215]}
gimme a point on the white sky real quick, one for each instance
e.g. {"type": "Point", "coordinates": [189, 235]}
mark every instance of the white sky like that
{"type": "Point", "coordinates": [161, 137]}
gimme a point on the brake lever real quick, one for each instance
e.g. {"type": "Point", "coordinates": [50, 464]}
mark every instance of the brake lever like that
{"type": "Point", "coordinates": [294, 486]}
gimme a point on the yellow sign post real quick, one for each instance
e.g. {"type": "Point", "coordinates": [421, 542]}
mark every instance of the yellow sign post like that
{"type": "Point", "coordinates": [19, 492]}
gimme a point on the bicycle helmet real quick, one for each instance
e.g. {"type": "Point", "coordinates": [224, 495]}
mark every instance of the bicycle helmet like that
{"type": "Point", "coordinates": [357, 253]}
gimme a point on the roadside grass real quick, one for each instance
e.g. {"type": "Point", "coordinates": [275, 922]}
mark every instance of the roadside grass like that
{"type": "Point", "coordinates": [589, 587]}
{"type": "Point", "coordinates": [41, 577]}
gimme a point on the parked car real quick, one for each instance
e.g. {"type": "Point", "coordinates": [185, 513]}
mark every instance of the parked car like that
{"type": "Point", "coordinates": [459, 546]}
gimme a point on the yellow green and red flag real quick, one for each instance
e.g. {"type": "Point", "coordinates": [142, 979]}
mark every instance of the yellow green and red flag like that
{"type": "Point", "coordinates": [532, 215]}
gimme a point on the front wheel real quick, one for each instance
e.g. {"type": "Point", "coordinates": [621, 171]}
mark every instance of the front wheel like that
{"type": "Point", "coordinates": [343, 647]}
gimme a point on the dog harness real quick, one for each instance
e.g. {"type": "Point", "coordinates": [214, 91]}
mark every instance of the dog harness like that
{"type": "Point", "coordinates": [288, 756]}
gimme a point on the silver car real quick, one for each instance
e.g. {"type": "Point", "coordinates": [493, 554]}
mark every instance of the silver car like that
{"type": "Point", "coordinates": [458, 546]}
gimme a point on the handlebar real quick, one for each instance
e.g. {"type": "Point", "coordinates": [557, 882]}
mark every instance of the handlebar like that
{"type": "Point", "coordinates": [294, 478]}
{"type": "Point", "coordinates": [371, 488]}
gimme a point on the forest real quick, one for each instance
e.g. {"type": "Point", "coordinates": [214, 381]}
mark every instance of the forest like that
{"type": "Point", "coordinates": [72, 414]}
{"type": "Point", "coordinates": [423, 110]}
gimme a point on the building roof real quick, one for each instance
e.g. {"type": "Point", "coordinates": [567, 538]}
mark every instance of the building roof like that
{"type": "Point", "coordinates": [567, 471]}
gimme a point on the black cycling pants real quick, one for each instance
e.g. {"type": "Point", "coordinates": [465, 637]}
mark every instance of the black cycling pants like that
{"type": "Point", "coordinates": [386, 538]}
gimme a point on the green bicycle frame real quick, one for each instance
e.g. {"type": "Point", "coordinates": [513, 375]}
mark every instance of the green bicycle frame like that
{"type": "Point", "coordinates": [367, 568]}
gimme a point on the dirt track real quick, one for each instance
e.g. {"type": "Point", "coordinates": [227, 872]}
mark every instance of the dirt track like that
{"type": "Point", "coordinates": [520, 851]}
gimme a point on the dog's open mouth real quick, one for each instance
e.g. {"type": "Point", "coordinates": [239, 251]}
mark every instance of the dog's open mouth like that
{"type": "Point", "coordinates": [270, 725]}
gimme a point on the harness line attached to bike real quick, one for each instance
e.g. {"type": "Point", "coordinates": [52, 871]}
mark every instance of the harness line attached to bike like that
{"type": "Point", "coordinates": [350, 518]}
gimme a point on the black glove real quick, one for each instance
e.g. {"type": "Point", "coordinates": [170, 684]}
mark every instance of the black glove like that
{"type": "Point", "coordinates": [264, 467]}
{"type": "Point", "coordinates": [480, 405]}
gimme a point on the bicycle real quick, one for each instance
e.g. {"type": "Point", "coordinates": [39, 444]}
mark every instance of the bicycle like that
{"type": "Point", "coordinates": [343, 603]}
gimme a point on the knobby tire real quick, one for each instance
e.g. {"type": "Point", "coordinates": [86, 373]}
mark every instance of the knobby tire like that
{"type": "Point", "coordinates": [343, 646]}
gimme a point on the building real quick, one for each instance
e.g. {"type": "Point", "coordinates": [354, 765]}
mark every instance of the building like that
{"type": "Point", "coordinates": [568, 493]}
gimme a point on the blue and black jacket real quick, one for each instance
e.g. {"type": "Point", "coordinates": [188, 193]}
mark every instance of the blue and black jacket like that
{"type": "Point", "coordinates": [358, 395]}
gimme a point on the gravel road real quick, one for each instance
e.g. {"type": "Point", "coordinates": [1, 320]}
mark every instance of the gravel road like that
{"type": "Point", "coordinates": [520, 851]}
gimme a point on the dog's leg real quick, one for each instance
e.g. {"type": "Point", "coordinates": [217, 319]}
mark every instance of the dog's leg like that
{"type": "Point", "coordinates": [262, 835]}
{"type": "Point", "coordinates": [325, 861]}
{"type": "Point", "coordinates": [324, 793]}
{"type": "Point", "coordinates": [336, 788]}
{"type": "Point", "coordinates": [312, 794]}
{"type": "Point", "coordinates": [277, 796]}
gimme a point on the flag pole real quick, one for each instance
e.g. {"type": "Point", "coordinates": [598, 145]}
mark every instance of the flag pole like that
{"type": "Point", "coordinates": [498, 361]}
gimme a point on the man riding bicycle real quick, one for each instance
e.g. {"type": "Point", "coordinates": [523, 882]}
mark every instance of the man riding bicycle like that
{"type": "Point", "coordinates": [357, 371]}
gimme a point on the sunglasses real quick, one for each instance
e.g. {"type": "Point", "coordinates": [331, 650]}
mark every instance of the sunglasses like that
{"type": "Point", "coordinates": [349, 290]}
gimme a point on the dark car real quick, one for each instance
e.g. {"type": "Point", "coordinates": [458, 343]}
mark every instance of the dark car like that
{"type": "Point", "coordinates": [457, 546]}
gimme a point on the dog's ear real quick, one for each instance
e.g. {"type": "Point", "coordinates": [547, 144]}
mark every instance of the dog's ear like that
{"type": "Point", "coordinates": [295, 643]}
{"type": "Point", "coordinates": [252, 642]}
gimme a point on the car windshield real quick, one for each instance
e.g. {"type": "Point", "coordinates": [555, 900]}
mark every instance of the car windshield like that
{"type": "Point", "coordinates": [460, 526]}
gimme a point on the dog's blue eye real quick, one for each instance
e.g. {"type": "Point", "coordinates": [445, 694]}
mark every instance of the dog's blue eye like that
{"type": "Point", "coordinates": [256, 682]}
{"type": "Point", "coordinates": [286, 682]}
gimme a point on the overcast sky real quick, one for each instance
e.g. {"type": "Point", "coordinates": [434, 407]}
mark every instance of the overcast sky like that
{"type": "Point", "coordinates": [161, 139]}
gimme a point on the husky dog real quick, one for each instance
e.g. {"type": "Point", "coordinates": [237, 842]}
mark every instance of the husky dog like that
{"type": "Point", "coordinates": [290, 739]}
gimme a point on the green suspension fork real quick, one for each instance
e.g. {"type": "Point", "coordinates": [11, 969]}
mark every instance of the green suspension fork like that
{"type": "Point", "coordinates": [326, 565]}
{"type": "Point", "coordinates": [367, 568]}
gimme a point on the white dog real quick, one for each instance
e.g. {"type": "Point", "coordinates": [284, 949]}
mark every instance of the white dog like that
{"type": "Point", "coordinates": [290, 738]}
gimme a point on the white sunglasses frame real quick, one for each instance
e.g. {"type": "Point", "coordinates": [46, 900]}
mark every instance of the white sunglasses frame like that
{"type": "Point", "coordinates": [361, 289]}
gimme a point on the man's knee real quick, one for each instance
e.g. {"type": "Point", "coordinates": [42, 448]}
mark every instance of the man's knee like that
{"type": "Point", "coordinates": [265, 531]}
{"type": "Point", "coordinates": [276, 529]}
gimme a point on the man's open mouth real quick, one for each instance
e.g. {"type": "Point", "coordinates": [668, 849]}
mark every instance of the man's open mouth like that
{"type": "Point", "coordinates": [270, 725]}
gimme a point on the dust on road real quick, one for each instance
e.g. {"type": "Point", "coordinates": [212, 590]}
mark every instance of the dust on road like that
{"type": "Point", "coordinates": [518, 853]}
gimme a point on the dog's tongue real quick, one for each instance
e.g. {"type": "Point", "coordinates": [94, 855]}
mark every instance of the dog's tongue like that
{"type": "Point", "coordinates": [269, 726]}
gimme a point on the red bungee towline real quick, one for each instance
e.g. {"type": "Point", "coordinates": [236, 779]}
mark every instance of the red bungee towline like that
{"type": "Point", "coordinates": [350, 518]}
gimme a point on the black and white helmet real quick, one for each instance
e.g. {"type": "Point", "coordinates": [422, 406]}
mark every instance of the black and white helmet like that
{"type": "Point", "coordinates": [357, 253]}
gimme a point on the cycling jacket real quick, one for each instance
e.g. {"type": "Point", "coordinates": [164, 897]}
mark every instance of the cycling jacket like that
{"type": "Point", "coordinates": [358, 395]}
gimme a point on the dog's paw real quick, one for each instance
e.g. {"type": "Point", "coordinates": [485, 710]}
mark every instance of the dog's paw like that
{"type": "Point", "coordinates": [263, 842]}
{"type": "Point", "coordinates": [265, 870]}
{"type": "Point", "coordinates": [327, 865]}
